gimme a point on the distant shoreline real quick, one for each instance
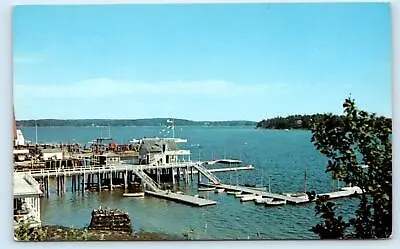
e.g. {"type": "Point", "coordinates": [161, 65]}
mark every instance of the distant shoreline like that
{"type": "Point", "coordinates": [103, 123]}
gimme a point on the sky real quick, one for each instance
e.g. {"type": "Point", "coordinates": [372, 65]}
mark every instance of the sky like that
{"type": "Point", "coordinates": [200, 61]}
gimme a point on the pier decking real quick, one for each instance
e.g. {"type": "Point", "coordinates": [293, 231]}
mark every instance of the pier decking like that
{"type": "Point", "coordinates": [186, 199]}
{"type": "Point", "coordinates": [122, 167]}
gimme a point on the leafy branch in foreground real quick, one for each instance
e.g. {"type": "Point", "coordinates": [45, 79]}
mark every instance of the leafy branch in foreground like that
{"type": "Point", "coordinates": [357, 138]}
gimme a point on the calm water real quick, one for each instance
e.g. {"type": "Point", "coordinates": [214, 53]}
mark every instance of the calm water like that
{"type": "Point", "coordinates": [281, 155]}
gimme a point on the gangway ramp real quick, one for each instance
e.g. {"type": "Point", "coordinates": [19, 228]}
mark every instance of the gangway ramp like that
{"type": "Point", "coordinates": [206, 173]}
{"type": "Point", "coordinates": [147, 179]}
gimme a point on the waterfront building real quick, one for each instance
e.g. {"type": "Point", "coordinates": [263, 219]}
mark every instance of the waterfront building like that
{"type": "Point", "coordinates": [159, 151]}
{"type": "Point", "coordinates": [107, 159]}
{"type": "Point", "coordinates": [26, 200]}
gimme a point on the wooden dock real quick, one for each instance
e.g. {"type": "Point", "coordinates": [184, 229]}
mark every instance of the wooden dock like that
{"type": "Point", "coordinates": [182, 198]}
{"type": "Point", "coordinates": [288, 199]}
{"type": "Point", "coordinates": [121, 167]}
{"type": "Point", "coordinates": [344, 192]}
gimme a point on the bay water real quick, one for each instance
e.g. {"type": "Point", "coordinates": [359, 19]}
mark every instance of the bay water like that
{"type": "Point", "coordinates": [279, 157]}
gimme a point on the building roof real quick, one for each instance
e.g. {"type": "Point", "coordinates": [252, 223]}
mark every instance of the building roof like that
{"type": "Point", "coordinates": [108, 154]}
{"type": "Point", "coordinates": [156, 145]}
{"type": "Point", "coordinates": [25, 185]}
{"type": "Point", "coordinates": [50, 150]}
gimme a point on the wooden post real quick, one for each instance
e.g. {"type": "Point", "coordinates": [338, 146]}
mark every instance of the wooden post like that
{"type": "Point", "coordinates": [173, 176]}
{"type": "Point", "coordinates": [58, 185]}
{"type": "Point", "coordinates": [79, 182]}
{"type": "Point", "coordinates": [198, 178]}
{"type": "Point", "coordinates": [98, 181]}
{"type": "Point", "coordinates": [178, 175]}
{"type": "Point", "coordinates": [186, 174]}
{"type": "Point", "coordinates": [72, 183]}
{"type": "Point", "coordinates": [158, 176]}
{"type": "Point", "coordinates": [89, 183]}
{"type": "Point", "coordinates": [126, 180]}
{"type": "Point", "coordinates": [111, 178]}
{"type": "Point", "coordinates": [191, 173]}
{"type": "Point", "coordinates": [83, 182]}
{"type": "Point", "coordinates": [47, 188]}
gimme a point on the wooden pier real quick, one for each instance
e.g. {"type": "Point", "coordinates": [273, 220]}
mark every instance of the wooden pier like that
{"type": "Point", "coordinates": [182, 198]}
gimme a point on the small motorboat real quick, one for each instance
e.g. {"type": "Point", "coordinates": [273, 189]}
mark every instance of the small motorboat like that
{"type": "Point", "coordinates": [139, 194]}
{"type": "Point", "coordinates": [250, 198]}
{"type": "Point", "coordinates": [233, 192]}
{"type": "Point", "coordinates": [206, 188]}
{"type": "Point", "coordinates": [275, 203]}
{"type": "Point", "coordinates": [262, 200]}
{"type": "Point", "coordinates": [241, 195]}
{"type": "Point", "coordinates": [219, 190]}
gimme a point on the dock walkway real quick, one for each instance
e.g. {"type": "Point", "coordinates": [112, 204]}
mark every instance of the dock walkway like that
{"type": "Point", "coordinates": [289, 199]}
{"type": "Point", "coordinates": [186, 199]}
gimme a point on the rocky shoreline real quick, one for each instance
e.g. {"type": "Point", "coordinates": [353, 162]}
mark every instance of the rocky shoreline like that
{"type": "Point", "coordinates": [106, 224]}
{"type": "Point", "coordinates": [61, 233]}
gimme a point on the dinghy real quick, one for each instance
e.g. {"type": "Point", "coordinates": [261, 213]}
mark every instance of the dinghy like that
{"type": "Point", "coordinates": [139, 194]}
{"type": "Point", "coordinates": [262, 200]}
{"type": "Point", "coordinates": [250, 198]}
{"type": "Point", "coordinates": [275, 203]}
{"type": "Point", "coordinates": [219, 190]}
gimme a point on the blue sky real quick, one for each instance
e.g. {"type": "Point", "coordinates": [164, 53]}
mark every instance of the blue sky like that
{"type": "Point", "coordinates": [200, 62]}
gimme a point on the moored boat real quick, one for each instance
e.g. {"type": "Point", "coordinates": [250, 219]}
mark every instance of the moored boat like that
{"type": "Point", "coordinates": [219, 190]}
{"type": "Point", "coordinates": [275, 203]}
{"type": "Point", "coordinates": [139, 194]}
{"type": "Point", "coordinates": [233, 192]}
{"type": "Point", "coordinates": [262, 200]}
{"type": "Point", "coordinates": [250, 198]}
{"type": "Point", "coordinates": [241, 195]}
{"type": "Point", "coordinates": [206, 189]}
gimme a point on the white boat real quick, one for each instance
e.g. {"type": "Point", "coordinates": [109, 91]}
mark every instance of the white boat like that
{"type": "Point", "coordinates": [139, 194]}
{"type": "Point", "coordinates": [233, 192]}
{"type": "Point", "coordinates": [219, 190]}
{"type": "Point", "coordinates": [275, 203]}
{"type": "Point", "coordinates": [243, 195]}
{"type": "Point", "coordinates": [258, 188]}
{"type": "Point", "coordinates": [206, 189]}
{"type": "Point", "coordinates": [250, 198]}
{"type": "Point", "coordinates": [262, 200]}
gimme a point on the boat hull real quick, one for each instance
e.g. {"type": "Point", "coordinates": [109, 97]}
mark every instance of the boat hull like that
{"type": "Point", "coordinates": [141, 194]}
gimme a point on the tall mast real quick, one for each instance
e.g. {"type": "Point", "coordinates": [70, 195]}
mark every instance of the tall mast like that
{"type": "Point", "coordinates": [173, 128]}
{"type": "Point", "coordinates": [269, 184]}
{"type": "Point", "coordinates": [305, 180]}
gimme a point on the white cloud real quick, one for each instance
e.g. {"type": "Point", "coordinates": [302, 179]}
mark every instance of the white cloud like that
{"type": "Point", "coordinates": [104, 88]}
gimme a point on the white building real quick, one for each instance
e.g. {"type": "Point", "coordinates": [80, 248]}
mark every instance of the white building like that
{"type": "Point", "coordinates": [26, 200]}
{"type": "Point", "coordinates": [49, 154]}
{"type": "Point", "coordinates": [20, 140]}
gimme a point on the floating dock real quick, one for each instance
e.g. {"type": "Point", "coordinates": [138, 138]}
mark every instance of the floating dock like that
{"type": "Point", "coordinates": [288, 199]}
{"type": "Point", "coordinates": [344, 192]}
{"type": "Point", "coordinates": [182, 198]}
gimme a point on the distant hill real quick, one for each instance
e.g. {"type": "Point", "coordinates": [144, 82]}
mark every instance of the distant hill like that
{"type": "Point", "coordinates": [128, 122]}
{"type": "Point", "coordinates": [304, 122]}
